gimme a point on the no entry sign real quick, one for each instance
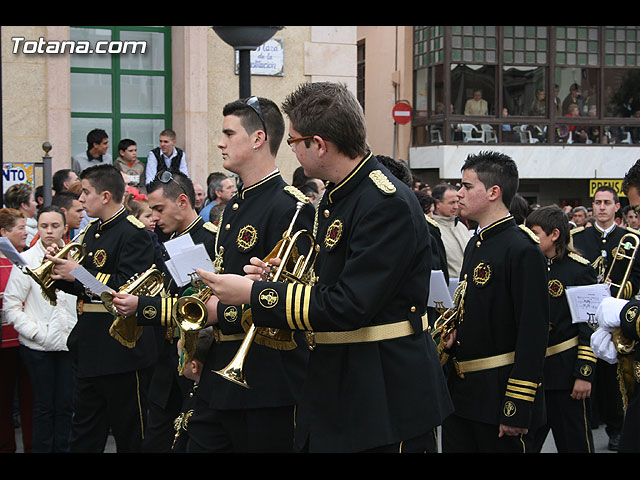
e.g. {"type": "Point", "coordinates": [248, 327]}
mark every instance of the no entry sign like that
{"type": "Point", "coordinates": [401, 113]}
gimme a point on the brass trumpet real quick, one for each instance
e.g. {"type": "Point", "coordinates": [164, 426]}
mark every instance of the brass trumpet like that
{"type": "Point", "coordinates": [126, 329]}
{"type": "Point", "coordinates": [42, 274]}
{"type": "Point", "coordinates": [449, 320]}
{"type": "Point", "coordinates": [190, 311]}
{"type": "Point", "coordinates": [293, 268]}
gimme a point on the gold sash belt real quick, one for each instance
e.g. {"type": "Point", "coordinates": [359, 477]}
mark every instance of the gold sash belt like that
{"type": "Point", "coordinates": [374, 333]}
{"type": "Point", "coordinates": [92, 307]}
{"type": "Point", "coordinates": [221, 337]}
{"type": "Point", "coordinates": [507, 358]}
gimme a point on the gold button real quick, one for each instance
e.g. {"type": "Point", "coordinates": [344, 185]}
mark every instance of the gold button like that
{"type": "Point", "coordinates": [235, 206]}
{"type": "Point", "coordinates": [478, 243]}
{"type": "Point", "coordinates": [227, 226]}
{"type": "Point", "coordinates": [97, 235]}
{"type": "Point", "coordinates": [90, 254]}
{"type": "Point", "coordinates": [413, 309]}
{"type": "Point", "coordinates": [221, 249]}
{"type": "Point", "coordinates": [326, 214]}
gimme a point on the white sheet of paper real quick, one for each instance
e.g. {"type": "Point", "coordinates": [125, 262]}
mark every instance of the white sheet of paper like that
{"type": "Point", "coordinates": [187, 262]}
{"type": "Point", "coordinates": [9, 251]}
{"type": "Point", "coordinates": [178, 245]}
{"type": "Point", "coordinates": [439, 295]}
{"type": "Point", "coordinates": [453, 285]}
{"type": "Point", "coordinates": [584, 300]}
{"type": "Point", "coordinates": [92, 283]}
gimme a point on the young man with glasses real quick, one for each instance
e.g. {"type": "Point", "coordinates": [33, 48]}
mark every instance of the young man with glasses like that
{"type": "Point", "coordinates": [110, 378]}
{"type": "Point", "coordinates": [619, 316]}
{"type": "Point", "coordinates": [598, 244]}
{"type": "Point", "coordinates": [374, 381]}
{"type": "Point", "coordinates": [172, 201]}
{"type": "Point", "coordinates": [229, 417]}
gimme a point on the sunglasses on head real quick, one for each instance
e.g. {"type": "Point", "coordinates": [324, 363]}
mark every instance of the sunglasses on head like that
{"type": "Point", "coordinates": [166, 176]}
{"type": "Point", "coordinates": [254, 103]}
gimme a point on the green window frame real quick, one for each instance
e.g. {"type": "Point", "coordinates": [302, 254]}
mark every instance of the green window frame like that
{"type": "Point", "coordinates": [112, 75]}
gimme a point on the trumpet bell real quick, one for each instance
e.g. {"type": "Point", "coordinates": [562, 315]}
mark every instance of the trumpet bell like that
{"type": "Point", "coordinates": [190, 312]}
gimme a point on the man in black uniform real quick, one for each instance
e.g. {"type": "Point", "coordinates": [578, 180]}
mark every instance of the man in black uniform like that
{"type": "Point", "coordinates": [229, 417]}
{"type": "Point", "coordinates": [374, 381]}
{"type": "Point", "coordinates": [109, 376]}
{"type": "Point", "coordinates": [620, 319]}
{"type": "Point", "coordinates": [598, 245]}
{"type": "Point", "coordinates": [172, 201]}
{"type": "Point", "coordinates": [495, 366]}
{"type": "Point", "coordinates": [570, 365]}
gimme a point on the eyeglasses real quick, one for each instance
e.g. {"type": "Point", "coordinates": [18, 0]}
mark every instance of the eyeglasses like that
{"type": "Point", "coordinates": [254, 103]}
{"type": "Point", "coordinates": [166, 176]}
{"type": "Point", "coordinates": [292, 140]}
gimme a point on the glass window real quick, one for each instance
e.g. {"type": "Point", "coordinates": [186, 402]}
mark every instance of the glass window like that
{"type": "Point", "coordinates": [128, 95]}
{"type": "Point", "coordinates": [622, 92]}
{"type": "Point", "coordinates": [473, 89]}
{"type": "Point", "coordinates": [577, 87]}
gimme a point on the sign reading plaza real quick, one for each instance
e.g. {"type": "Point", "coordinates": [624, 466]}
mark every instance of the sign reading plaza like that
{"type": "Point", "coordinates": [20, 45]}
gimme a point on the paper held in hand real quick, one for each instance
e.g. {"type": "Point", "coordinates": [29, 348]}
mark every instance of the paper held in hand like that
{"type": "Point", "coordinates": [185, 258]}
{"type": "Point", "coordinates": [9, 251]}
{"type": "Point", "coordinates": [439, 294]}
{"type": "Point", "coordinates": [585, 300]}
{"type": "Point", "coordinates": [90, 282]}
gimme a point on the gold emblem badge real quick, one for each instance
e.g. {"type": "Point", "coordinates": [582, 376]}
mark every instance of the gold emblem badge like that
{"type": "Point", "coordinates": [100, 258]}
{"type": "Point", "coordinates": [247, 238]}
{"type": "Point", "coordinates": [231, 313]}
{"type": "Point", "coordinates": [509, 409]}
{"type": "Point", "coordinates": [586, 370]}
{"type": "Point", "coordinates": [268, 298]}
{"type": "Point", "coordinates": [150, 312]}
{"type": "Point", "coordinates": [481, 274]}
{"type": "Point", "coordinates": [631, 314]}
{"type": "Point", "coordinates": [334, 232]}
{"type": "Point", "coordinates": [555, 288]}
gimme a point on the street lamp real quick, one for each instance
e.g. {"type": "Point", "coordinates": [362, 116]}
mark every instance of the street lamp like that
{"type": "Point", "coordinates": [244, 39]}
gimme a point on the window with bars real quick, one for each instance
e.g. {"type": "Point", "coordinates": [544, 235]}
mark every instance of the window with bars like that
{"type": "Point", "coordinates": [128, 95]}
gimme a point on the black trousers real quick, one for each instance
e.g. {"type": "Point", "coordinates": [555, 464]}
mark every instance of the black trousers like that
{"type": "Point", "coordinates": [52, 385]}
{"type": "Point", "coordinates": [606, 400]}
{"type": "Point", "coordinates": [258, 430]}
{"type": "Point", "coordinates": [106, 403]}
{"type": "Point", "coordinates": [461, 435]}
{"type": "Point", "coordinates": [569, 421]}
{"type": "Point", "coordinates": [630, 438]}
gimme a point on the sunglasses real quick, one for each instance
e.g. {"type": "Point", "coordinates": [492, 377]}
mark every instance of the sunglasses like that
{"type": "Point", "coordinates": [254, 103]}
{"type": "Point", "coordinates": [292, 140]}
{"type": "Point", "coordinates": [166, 176]}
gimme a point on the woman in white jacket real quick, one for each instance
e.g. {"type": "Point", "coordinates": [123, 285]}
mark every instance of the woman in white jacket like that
{"type": "Point", "coordinates": [43, 330]}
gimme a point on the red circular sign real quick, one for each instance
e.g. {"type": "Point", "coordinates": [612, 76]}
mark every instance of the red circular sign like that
{"type": "Point", "coordinates": [401, 113]}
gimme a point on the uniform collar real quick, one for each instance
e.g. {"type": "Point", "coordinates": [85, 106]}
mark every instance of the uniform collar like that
{"type": "Point", "coordinates": [191, 226]}
{"type": "Point", "coordinates": [604, 232]}
{"type": "Point", "coordinates": [496, 227]}
{"type": "Point", "coordinates": [257, 187]}
{"type": "Point", "coordinates": [122, 213]}
{"type": "Point", "coordinates": [337, 191]}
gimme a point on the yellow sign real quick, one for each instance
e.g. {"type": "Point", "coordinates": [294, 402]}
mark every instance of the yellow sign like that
{"type": "Point", "coordinates": [616, 184]}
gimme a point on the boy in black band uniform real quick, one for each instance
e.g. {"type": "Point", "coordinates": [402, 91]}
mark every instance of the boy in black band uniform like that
{"type": "Point", "coordinates": [171, 199]}
{"type": "Point", "coordinates": [373, 382]}
{"type": "Point", "coordinates": [110, 377]}
{"type": "Point", "coordinates": [570, 365]}
{"type": "Point", "coordinates": [497, 351]}
{"type": "Point", "coordinates": [228, 417]}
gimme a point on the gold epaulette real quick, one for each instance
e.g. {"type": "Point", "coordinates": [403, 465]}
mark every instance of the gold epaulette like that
{"type": "Point", "coordinates": [578, 258]}
{"type": "Point", "coordinates": [576, 230]}
{"type": "Point", "coordinates": [529, 232]}
{"type": "Point", "coordinates": [382, 182]}
{"type": "Point", "coordinates": [212, 227]}
{"type": "Point", "coordinates": [295, 193]}
{"type": "Point", "coordinates": [135, 221]}
{"type": "Point", "coordinates": [431, 221]}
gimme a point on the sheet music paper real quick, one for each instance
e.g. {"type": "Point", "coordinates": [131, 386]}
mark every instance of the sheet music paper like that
{"type": "Point", "coordinates": [439, 295]}
{"type": "Point", "coordinates": [89, 281]}
{"type": "Point", "coordinates": [184, 263]}
{"type": "Point", "coordinates": [453, 285]}
{"type": "Point", "coordinates": [584, 300]}
{"type": "Point", "coordinates": [9, 251]}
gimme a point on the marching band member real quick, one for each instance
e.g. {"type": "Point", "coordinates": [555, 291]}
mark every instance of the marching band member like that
{"type": "Point", "coordinates": [570, 365]}
{"type": "Point", "coordinates": [373, 381]}
{"type": "Point", "coordinates": [110, 378]}
{"type": "Point", "coordinates": [497, 351]}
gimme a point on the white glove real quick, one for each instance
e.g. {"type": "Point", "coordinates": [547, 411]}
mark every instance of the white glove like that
{"type": "Point", "coordinates": [603, 346]}
{"type": "Point", "coordinates": [608, 313]}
